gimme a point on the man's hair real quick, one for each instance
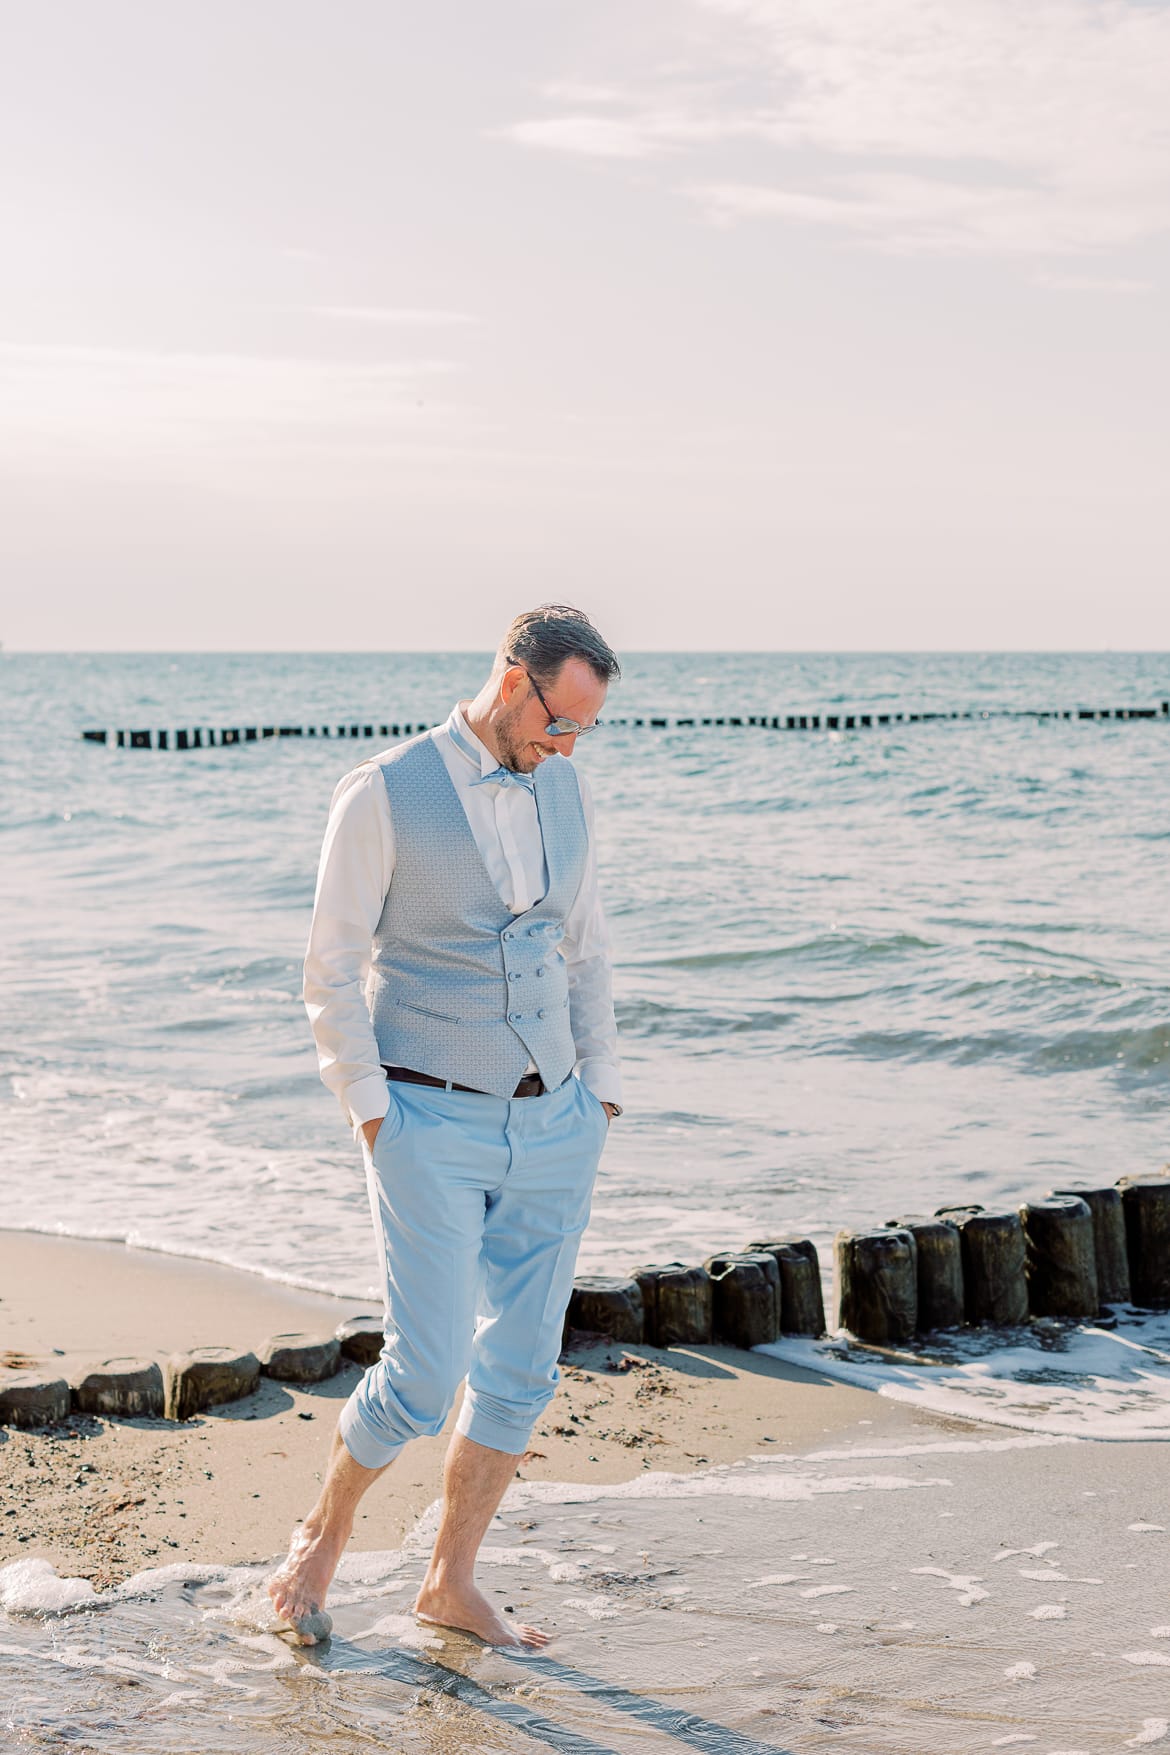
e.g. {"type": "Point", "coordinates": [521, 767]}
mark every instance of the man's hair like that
{"type": "Point", "coordinates": [541, 640]}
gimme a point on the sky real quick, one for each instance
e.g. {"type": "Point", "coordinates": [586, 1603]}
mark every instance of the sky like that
{"type": "Point", "coordinates": [742, 324]}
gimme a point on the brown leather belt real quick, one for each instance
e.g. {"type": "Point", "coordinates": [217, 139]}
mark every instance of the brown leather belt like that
{"type": "Point", "coordinates": [531, 1085]}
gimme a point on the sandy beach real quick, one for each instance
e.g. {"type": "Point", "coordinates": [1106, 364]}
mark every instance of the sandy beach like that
{"type": "Point", "coordinates": [100, 1499]}
{"type": "Point", "coordinates": [853, 1572]}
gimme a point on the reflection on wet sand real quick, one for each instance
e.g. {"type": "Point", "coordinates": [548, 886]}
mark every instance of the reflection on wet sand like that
{"type": "Point", "coordinates": [957, 1592]}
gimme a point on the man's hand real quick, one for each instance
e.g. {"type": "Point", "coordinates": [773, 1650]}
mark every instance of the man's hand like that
{"type": "Point", "coordinates": [370, 1131]}
{"type": "Point", "coordinates": [609, 1110]}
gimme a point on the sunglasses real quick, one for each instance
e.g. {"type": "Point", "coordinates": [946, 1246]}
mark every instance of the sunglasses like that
{"type": "Point", "coordinates": [558, 725]}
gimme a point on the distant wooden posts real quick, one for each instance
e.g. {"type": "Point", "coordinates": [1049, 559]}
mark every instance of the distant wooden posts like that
{"type": "Point", "coordinates": [877, 1284]}
{"type": "Point", "coordinates": [211, 737]}
{"type": "Point", "coordinates": [1060, 1257]}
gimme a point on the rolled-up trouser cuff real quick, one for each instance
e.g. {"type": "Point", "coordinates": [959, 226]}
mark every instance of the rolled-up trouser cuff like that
{"type": "Point", "coordinates": [494, 1433]}
{"type": "Point", "coordinates": [371, 1452]}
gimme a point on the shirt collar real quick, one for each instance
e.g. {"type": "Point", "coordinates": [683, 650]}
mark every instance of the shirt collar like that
{"type": "Point", "coordinates": [467, 743]}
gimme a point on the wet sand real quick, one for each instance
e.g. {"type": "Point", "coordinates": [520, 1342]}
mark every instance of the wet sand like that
{"type": "Point", "coordinates": [102, 1499]}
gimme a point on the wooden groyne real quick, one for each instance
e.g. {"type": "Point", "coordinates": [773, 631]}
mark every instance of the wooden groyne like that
{"type": "Point", "coordinates": [1074, 1254]}
{"type": "Point", "coordinates": [204, 737]}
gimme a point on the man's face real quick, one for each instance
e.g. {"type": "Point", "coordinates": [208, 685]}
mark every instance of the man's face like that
{"type": "Point", "coordinates": [575, 693]}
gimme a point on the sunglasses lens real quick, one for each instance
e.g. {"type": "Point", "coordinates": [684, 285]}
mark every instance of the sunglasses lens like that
{"type": "Point", "coordinates": [569, 727]}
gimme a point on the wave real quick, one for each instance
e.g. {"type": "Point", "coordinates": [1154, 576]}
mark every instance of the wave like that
{"type": "Point", "coordinates": [1145, 1050]}
{"type": "Point", "coordinates": [1142, 1049]}
{"type": "Point", "coordinates": [838, 946]}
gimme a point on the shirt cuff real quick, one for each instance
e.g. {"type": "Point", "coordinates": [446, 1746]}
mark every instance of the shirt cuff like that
{"type": "Point", "coordinates": [367, 1100]}
{"type": "Point", "coordinates": [603, 1078]}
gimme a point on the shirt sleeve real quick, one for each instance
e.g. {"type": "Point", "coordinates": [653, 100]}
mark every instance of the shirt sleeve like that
{"type": "Point", "coordinates": [357, 864]}
{"type": "Point", "coordinates": [586, 950]}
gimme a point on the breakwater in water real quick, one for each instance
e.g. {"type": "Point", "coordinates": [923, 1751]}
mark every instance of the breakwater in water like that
{"type": "Point", "coordinates": [227, 737]}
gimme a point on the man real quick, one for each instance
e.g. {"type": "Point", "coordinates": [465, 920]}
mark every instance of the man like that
{"type": "Point", "coordinates": [460, 869]}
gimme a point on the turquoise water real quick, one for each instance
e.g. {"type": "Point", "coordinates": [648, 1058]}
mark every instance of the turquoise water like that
{"type": "Point", "coordinates": [855, 973]}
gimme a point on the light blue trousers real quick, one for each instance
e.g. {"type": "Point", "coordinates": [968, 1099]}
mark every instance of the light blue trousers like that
{"type": "Point", "coordinates": [478, 1203]}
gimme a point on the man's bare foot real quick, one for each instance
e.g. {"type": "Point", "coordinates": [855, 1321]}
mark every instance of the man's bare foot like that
{"type": "Point", "coordinates": [299, 1586]}
{"type": "Point", "coordinates": [465, 1607]}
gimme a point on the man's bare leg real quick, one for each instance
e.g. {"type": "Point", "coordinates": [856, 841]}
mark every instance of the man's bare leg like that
{"type": "Point", "coordinates": [474, 1481]}
{"type": "Point", "coordinates": [298, 1588]}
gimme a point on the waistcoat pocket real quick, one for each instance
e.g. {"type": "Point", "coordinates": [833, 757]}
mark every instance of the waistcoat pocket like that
{"type": "Point", "coordinates": [428, 1011]}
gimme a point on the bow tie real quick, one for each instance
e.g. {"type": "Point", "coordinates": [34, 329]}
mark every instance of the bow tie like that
{"type": "Point", "coordinates": [505, 777]}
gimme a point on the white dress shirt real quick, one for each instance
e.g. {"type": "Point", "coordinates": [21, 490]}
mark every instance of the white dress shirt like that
{"type": "Point", "coordinates": [357, 865]}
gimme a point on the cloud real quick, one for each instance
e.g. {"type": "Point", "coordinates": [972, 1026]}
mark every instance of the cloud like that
{"type": "Point", "coordinates": [393, 316]}
{"type": "Point", "coordinates": [1092, 283]}
{"type": "Point", "coordinates": [991, 125]}
{"type": "Point", "coordinates": [591, 136]}
{"type": "Point", "coordinates": [119, 401]}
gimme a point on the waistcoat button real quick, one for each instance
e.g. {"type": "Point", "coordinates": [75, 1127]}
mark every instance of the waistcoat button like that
{"type": "Point", "coordinates": [513, 974]}
{"type": "Point", "coordinates": [542, 1013]}
{"type": "Point", "coordinates": [540, 969]}
{"type": "Point", "coordinates": [515, 1018]}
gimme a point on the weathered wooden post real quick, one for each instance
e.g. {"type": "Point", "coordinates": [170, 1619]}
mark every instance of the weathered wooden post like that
{"type": "Point", "coordinates": [745, 1297]}
{"type": "Point", "coordinates": [32, 1398]}
{"type": "Point", "coordinates": [676, 1302]}
{"type": "Point", "coordinates": [608, 1305]}
{"type": "Point", "coordinates": [128, 1388]}
{"type": "Point", "coordinates": [1146, 1202]}
{"type": "Point", "coordinates": [940, 1271]}
{"type": "Point", "coordinates": [1108, 1241]}
{"type": "Point", "coordinates": [207, 1376]}
{"type": "Point", "coordinates": [300, 1358]}
{"type": "Point", "coordinates": [802, 1300]}
{"type": "Point", "coordinates": [360, 1339]}
{"type": "Point", "coordinates": [995, 1289]}
{"type": "Point", "coordinates": [877, 1285]}
{"type": "Point", "coordinates": [1060, 1256]}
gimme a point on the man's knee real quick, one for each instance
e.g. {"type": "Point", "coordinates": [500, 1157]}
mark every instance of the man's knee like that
{"type": "Point", "coordinates": [386, 1411]}
{"type": "Point", "coordinates": [503, 1422]}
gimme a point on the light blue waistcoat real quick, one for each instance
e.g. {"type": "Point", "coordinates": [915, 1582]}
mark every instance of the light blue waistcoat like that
{"type": "Point", "coordinates": [460, 987]}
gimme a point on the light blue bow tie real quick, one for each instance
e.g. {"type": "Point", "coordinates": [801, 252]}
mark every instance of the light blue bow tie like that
{"type": "Point", "coordinates": [505, 777]}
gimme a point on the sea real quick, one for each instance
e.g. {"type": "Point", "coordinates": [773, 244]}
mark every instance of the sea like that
{"type": "Point", "coordinates": [858, 973]}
